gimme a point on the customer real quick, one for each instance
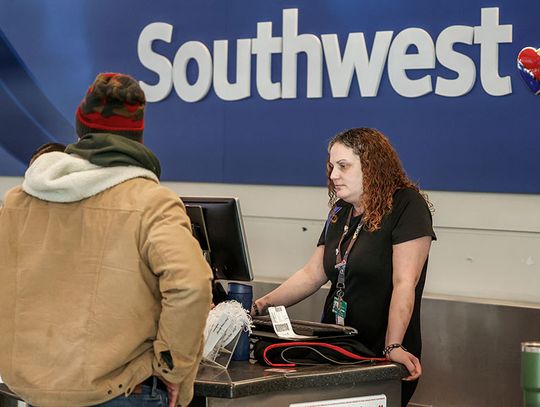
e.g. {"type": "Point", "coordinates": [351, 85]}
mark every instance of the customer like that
{"type": "Point", "coordinates": [103, 288]}
{"type": "Point", "coordinates": [373, 249]}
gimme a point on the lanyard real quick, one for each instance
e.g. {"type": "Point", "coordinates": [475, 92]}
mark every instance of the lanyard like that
{"type": "Point", "coordinates": [341, 262]}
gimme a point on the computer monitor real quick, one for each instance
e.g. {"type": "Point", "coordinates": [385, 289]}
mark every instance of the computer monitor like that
{"type": "Point", "coordinates": [226, 242]}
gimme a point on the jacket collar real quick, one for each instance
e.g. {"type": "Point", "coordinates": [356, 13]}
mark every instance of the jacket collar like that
{"type": "Point", "coordinates": [110, 150]}
{"type": "Point", "coordinates": [61, 177]}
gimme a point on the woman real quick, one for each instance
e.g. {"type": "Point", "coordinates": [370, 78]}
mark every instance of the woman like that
{"type": "Point", "coordinates": [373, 249]}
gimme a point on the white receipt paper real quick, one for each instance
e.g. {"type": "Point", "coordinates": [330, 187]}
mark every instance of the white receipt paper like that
{"type": "Point", "coordinates": [282, 324]}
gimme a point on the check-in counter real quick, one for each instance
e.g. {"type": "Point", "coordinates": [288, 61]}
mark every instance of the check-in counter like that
{"type": "Point", "coordinates": [244, 384]}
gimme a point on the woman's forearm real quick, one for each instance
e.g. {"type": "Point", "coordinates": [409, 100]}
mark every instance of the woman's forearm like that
{"type": "Point", "coordinates": [401, 307]}
{"type": "Point", "coordinates": [292, 291]}
{"type": "Point", "coordinates": [300, 285]}
{"type": "Point", "coordinates": [408, 260]}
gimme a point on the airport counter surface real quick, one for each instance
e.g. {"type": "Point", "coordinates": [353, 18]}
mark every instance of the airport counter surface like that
{"type": "Point", "coordinates": [244, 384]}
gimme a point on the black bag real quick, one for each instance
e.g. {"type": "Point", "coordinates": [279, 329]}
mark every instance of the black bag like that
{"type": "Point", "coordinates": [335, 351]}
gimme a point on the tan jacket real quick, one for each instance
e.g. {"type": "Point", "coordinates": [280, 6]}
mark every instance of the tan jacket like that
{"type": "Point", "coordinates": [92, 291]}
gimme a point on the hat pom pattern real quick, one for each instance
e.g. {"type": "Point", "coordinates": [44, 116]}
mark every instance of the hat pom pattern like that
{"type": "Point", "coordinates": [113, 104]}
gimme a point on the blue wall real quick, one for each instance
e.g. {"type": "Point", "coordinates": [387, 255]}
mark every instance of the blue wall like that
{"type": "Point", "coordinates": [51, 50]}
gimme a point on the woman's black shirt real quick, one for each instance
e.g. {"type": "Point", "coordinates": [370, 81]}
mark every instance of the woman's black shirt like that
{"type": "Point", "coordinates": [368, 276]}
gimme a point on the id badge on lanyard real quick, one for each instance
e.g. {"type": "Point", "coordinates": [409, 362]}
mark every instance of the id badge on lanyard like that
{"type": "Point", "coordinates": [340, 309]}
{"type": "Point", "coordinates": [339, 305]}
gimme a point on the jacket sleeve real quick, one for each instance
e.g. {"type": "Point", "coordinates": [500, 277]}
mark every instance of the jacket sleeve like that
{"type": "Point", "coordinates": [184, 276]}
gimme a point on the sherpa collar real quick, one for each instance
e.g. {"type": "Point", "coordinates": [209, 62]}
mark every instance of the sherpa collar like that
{"type": "Point", "coordinates": [60, 177]}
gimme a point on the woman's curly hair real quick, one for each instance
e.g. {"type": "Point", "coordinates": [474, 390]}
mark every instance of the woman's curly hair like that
{"type": "Point", "coordinates": [382, 172]}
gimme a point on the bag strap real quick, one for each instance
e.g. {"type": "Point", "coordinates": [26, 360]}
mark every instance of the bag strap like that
{"type": "Point", "coordinates": [323, 356]}
{"type": "Point", "coordinates": [335, 348]}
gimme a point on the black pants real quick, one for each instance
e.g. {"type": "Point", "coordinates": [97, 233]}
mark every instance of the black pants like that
{"type": "Point", "coordinates": [407, 391]}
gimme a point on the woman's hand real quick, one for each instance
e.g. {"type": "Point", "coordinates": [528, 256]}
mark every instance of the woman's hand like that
{"type": "Point", "coordinates": [260, 307]}
{"type": "Point", "coordinates": [407, 359]}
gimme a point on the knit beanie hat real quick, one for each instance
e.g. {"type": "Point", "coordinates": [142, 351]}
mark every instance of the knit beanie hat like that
{"type": "Point", "coordinates": [114, 104]}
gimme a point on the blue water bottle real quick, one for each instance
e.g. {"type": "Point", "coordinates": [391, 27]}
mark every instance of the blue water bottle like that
{"type": "Point", "coordinates": [242, 293]}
